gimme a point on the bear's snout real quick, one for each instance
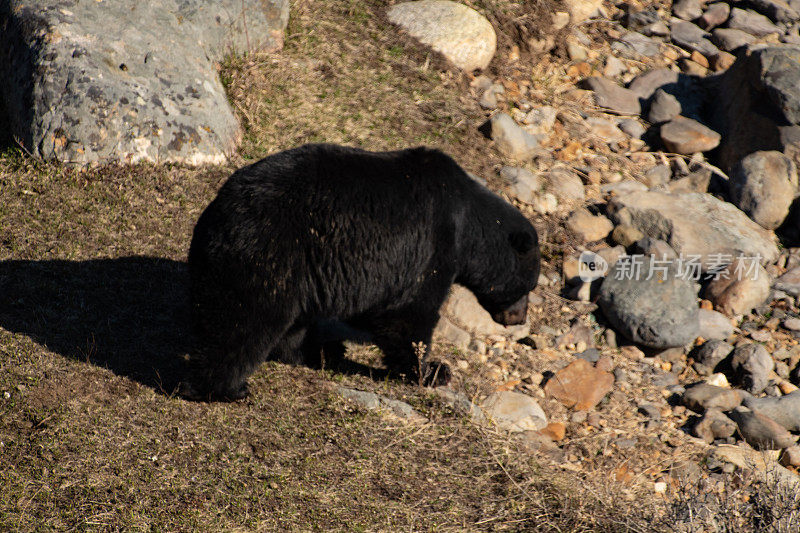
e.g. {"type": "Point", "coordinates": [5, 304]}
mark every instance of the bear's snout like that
{"type": "Point", "coordinates": [515, 314]}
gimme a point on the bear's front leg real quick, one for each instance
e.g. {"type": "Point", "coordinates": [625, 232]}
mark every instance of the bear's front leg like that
{"type": "Point", "coordinates": [404, 337]}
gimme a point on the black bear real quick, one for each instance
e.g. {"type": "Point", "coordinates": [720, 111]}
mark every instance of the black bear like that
{"type": "Point", "coordinates": [372, 239]}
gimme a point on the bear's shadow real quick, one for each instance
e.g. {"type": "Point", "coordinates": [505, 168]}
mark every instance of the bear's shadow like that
{"type": "Point", "coordinates": [130, 315]}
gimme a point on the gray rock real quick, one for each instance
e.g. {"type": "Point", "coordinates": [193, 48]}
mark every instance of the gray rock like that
{"type": "Point", "coordinates": [714, 325]}
{"type": "Point", "coordinates": [540, 119]}
{"type": "Point", "coordinates": [715, 15]}
{"type": "Point", "coordinates": [654, 247]}
{"type": "Point", "coordinates": [611, 96]}
{"type": "Point", "coordinates": [461, 403]}
{"type": "Point", "coordinates": [633, 45]}
{"type": "Point", "coordinates": [514, 412]}
{"type": "Point", "coordinates": [792, 324]}
{"type": "Point", "coordinates": [739, 287]}
{"type": "Point", "coordinates": [776, 10]}
{"type": "Point", "coordinates": [587, 226]}
{"type": "Point", "coordinates": [784, 410]}
{"type": "Point", "coordinates": [456, 31]}
{"type": "Point", "coordinates": [463, 309]}
{"type": "Point", "coordinates": [614, 67]}
{"type": "Point", "coordinates": [488, 99]}
{"type": "Point", "coordinates": [623, 187]}
{"type": "Point", "coordinates": [758, 105]}
{"type": "Point", "coordinates": [658, 175]}
{"type": "Point", "coordinates": [565, 185]}
{"type": "Point", "coordinates": [605, 130]}
{"type": "Point", "coordinates": [511, 140]}
{"type": "Point", "coordinates": [639, 19]}
{"type": "Point", "coordinates": [660, 312]}
{"type": "Point", "coordinates": [752, 365]}
{"type": "Point", "coordinates": [764, 185]}
{"type": "Point", "coordinates": [632, 127]}
{"type": "Point", "coordinates": [448, 332]}
{"type": "Point", "coordinates": [694, 224]}
{"type": "Point", "coordinates": [711, 354]}
{"type": "Point", "coordinates": [686, 136]}
{"type": "Point", "coordinates": [656, 29]}
{"type": "Point", "coordinates": [644, 85]}
{"type": "Point", "coordinates": [691, 37]}
{"type": "Point", "coordinates": [86, 82]}
{"type": "Point", "coordinates": [702, 396]}
{"type": "Point", "coordinates": [663, 107]}
{"type": "Point", "coordinates": [372, 402]}
{"type": "Point", "coordinates": [731, 40]}
{"type": "Point", "coordinates": [714, 425]}
{"type": "Point", "coordinates": [523, 183]}
{"type": "Point", "coordinates": [751, 22]}
{"type": "Point", "coordinates": [687, 9]}
{"type": "Point", "coordinates": [760, 431]}
{"type": "Point", "coordinates": [789, 282]}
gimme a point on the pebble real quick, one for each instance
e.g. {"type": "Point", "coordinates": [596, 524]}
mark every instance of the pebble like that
{"type": "Point", "coordinates": [565, 185]}
{"type": "Point", "coordinates": [752, 365]}
{"type": "Point", "coordinates": [687, 9]}
{"type": "Point", "coordinates": [711, 354]}
{"type": "Point", "coordinates": [663, 107]}
{"type": "Point", "coordinates": [511, 140]}
{"type": "Point", "coordinates": [789, 282]}
{"type": "Point", "coordinates": [632, 127]}
{"type": "Point", "coordinates": [523, 183]}
{"type": "Point", "coordinates": [740, 287]}
{"type": "Point", "coordinates": [715, 15]}
{"type": "Point", "coordinates": [611, 96]}
{"type": "Point", "coordinates": [686, 136]}
{"type": "Point", "coordinates": [614, 67]}
{"type": "Point", "coordinates": [714, 425]}
{"type": "Point", "coordinates": [792, 324]}
{"type": "Point", "coordinates": [626, 235]}
{"type": "Point", "coordinates": [606, 130]}
{"type": "Point", "coordinates": [634, 44]}
{"type": "Point", "coordinates": [714, 325]}
{"type": "Point", "coordinates": [790, 456]}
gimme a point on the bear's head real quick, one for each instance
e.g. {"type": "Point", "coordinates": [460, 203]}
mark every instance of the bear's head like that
{"type": "Point", "coordinates": [506, 299]}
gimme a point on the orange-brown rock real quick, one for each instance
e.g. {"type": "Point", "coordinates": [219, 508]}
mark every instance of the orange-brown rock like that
{"type": "Point", "coordinates": [580, 385]}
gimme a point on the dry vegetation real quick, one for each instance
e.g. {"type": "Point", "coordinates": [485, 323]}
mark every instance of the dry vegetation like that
{"type": "Point", "coordinates": [93, 331]}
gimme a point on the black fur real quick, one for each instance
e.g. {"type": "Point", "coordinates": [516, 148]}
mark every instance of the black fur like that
{"type": "Point", "coordinates": [374, 239]}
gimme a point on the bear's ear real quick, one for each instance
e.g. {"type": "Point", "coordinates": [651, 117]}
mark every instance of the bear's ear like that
{"type": "Point", "coordinates": [521, 241]}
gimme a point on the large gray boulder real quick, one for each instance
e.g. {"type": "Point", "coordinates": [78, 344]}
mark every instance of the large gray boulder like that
{"type": "Point", "coordinates": [88, 82]}
{"type": "Point", "coordinates": [650, 303]}
{"type": "Point", "coordinates": [694, 224]}
{"type": "Point", "coordinates": [757, 105]}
